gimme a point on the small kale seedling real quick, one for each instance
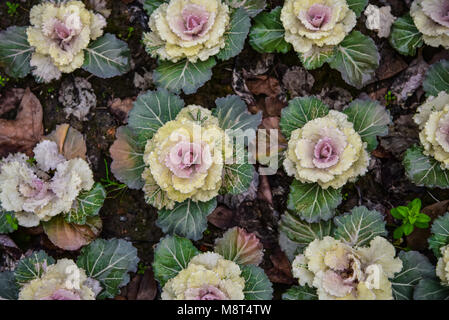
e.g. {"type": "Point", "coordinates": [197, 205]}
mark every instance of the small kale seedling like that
{"type": "Point", "coordinates": [411, 217]}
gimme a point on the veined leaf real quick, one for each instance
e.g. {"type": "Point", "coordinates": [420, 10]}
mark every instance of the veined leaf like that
{"type": "Point", "coordinates": [87, 204]}
{"type": "Point", "coordinates": [187, 219]}
{"type": "Point", "coordinates": [107, 57]}
{"type": "Point", "coordinates": [440, 234]}
{"type": "Point", "coordinates": [300, 111]}
{"type": "Point", "coordinates": [127, 157]}
{"type": "Point", "coordinates": [357, 6]}
{"type": "Point", "coordinates": [237, 177]}
{"type": "Point", "coordinates": [405, 37]}
{"type": "Point", "coordinates": [312, 203]}
{"type": "Point", "coordinates": [236, 35]}
{"type": "Point", "coordinates": [357, 58]}
{"type": "Point", "coordinates": [437, 78]}
{"type": "Point", "coordinates": [8, 223]}
{"type": "Point", "coordinates": [302, 233]}
{"type": "Point", "coordinates": [32, 267]}
{"type": "Point", "coordinates": [267, 33]}
{"type": "Point", "coordinates": [257, 284]}
{"type": "Point", "coordinates": [8, 286]}
{"type": "Point", "coordinates": [109, 261]}
{"type": "Point", "coordinates": [415, 266]}
{"type": "Point", "coordinates": [152, 110]}
{"type": "Point", "coordinates": [423, 170]}
{"type": "Point", "coordinates": [317, 57]}
{"type": "Point", "coordinates": [358, 227]}
{"type": "Point", "coordinates": [183, 75]}
{"type": "Point", "coordinates": [171, 255]}
{"type": "Point", "coordinates": [370, 120]}
{"type": "Point", "coordinates": [300, 293]}
{"type": "Point", "coordinates": [431, 289]}
{"type": "Point", "coordinates": [253, 7]}
{"type": "Point", "coordinates": [15, 52]}
{"type": "Point", "coordinates": [150, 5]}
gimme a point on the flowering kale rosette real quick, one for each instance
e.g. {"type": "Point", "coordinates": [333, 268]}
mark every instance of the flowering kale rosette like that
{"type": "Point", "coordinates": [320, 32]}
{"type": "Point", "coordinates": [63, 37]}
{"type": "Point", "coordinates": [348, 258]}
{"type": "Point", "coordinates": [187, 35]}
{"type": "Point", "coordinates": [229, 273]}
{"type": "Point", "coordinates": [327, 149]}
{"type": "Point", "coordinates": [427, 164]}
{"type": "Point", "coordinates": [56, 187]}
{"type": "Point", "coordinates": [93, 276]}
{"type": "Point", "coordinates": [183, 157]}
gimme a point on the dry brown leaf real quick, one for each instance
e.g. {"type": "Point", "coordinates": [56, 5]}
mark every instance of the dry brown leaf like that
{"type": "Point", "coordinates": [22, 133]}
{"type": "Point", "coordinates": [264, 192]}
{"type": "Point", "coordinates": [269, 90]}
{"type": "Point", "coordinates": [10, 100]}
{"type": "Point", "coordinates": [71, 143]}
{"type": "Point", "coordinates": [221, 217]}
{"type": "Point", "coordinates": [281, 270]}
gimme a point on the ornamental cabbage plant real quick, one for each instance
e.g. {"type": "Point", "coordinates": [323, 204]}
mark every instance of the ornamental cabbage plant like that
{"type": "Point", "coordinates": [183, 157]}
{"type": "Point", "coordinates": [349, 258]}
{"type": "Point", "coordinates": [339, 271]}
{"type": "Point", "coordinates": [319, 31]}
{"type": "Point", "coordinates": [63, 36]}
{"type": "Point", "coordinates": [100, 270]}
{"type": "Point", "coordinates": [56, 187]}
{"type": "Point", "coordinates": [427, 164]}
{"type": "Point", "coordinates": [187, 35]}
{"type": "Point", "coordinates": [326, 150]}
{"type": "Point", "coordinates": [186, 274]}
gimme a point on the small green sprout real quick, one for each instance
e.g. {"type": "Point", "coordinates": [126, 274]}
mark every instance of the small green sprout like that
{"type": "Point", "coordinates": [411, 217]}
{"type": "Point", "coordinates": [141, 268]}
{"type": "Point", "coordinates": [12, 8]}
{"type": "Point", "coordinates": [389, 98]}
{"type": "Point", "coordinates": [12, 221]}
{"type": "Point", "coordinates": [3, 81]}
{"type": "Point", "coordinates": [108, 183]}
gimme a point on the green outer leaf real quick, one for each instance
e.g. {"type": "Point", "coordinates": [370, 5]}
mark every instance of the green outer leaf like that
{"type": "Point", "coordinates": [171, 255]}
{"type": "Point", "coordinates": [257, 284]}
{"type": "Point", "coordinates": [32, 267]}
{"type": "Point", "coordinates": [415, 267]}
{"type": "Point", "coordinates": [405, 37]}
{"type": "Point", "coordinates": [253, 7]}
{"type": "Point", "coordinates": [440, 234]}
{"type": "Point", "coordinates": [150, 5]}
{"type": "Point", "coordinates": [431, 289]}
{"type": "Point", "coordinates": [357, 6]}
{"type": "Point", "coordinates": [437, 78]}
{"type": "Point", "coordinates": [88, 204]}
{"type": "Point", "coordinates": [423, 170]}
{"type": "Point", "coordinates": [300, 293]}
{"type": "Point", "coordinates": [127, 155]}
{"type": "Point", "coordinates": [107, 57]}
{"type": "Point", "coordinates": [302, 233]}
{"type": "Point", "coordinates": [152, 110]}
{"type": "Point", "coordinates": [312, 203]}
{"type": "Point", "coordinates": [370, 120]}
{"type": "Point", "coordinates": [236, 35]}
{"type": "Point", "coordinates": [8, 286]}
{"type": "Point", "coordinates": [183, 75]}
{"type": "Point", "coordinates": [300, 111]}
{"type": "Point", "coordinates": [267, 33]}
{"type": "Point", "coordinates": [360, 226]}
{"type": "Point", "coordinates": [187, 219]}
{"type": "Point", "coordinates": [356, 58]}
{"type": "Point", "coordinates": [109, 262]}
{"type": "Point", "coordinates": [8, 223]}
{"type": "Point", "coordinates": [233, 115]}
{"type": "Point", "coordinates": [15, 52]}
{"type": "Point", "coordinates": [237, 177]}
{"type": "Point", "coordinates": [317, 58]}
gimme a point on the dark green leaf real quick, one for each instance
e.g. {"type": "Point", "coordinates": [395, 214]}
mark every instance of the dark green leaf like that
{"type": "Point", "coordinates": [257, 284]}
{"type": "Point", "coordinates": [437, 78]}
{"type": "Point", "coordinates": [8, 223]}
{"type": "Point", "coordinates": [405, 37]}
{"type": "Point", "coordinates": [357, 6]}
{"type": "Point", "coordinates": [15, 52]}
{"type": "Point", "coordinates": [32, 267]}
{"type": "Point", "coordinates": [253, 7]}
{"type": "Point", "coordinates": [431, 289]}
{"type": "Point", "coordinates": [236, 35]}
{"type": "Point", "coordinates": [171, 255]}
{"type": "Point", "coordinates": [440, 234]}
{"type": "Point", "coordinates": [8, 286]}
{"type": "Point", "coordinates": [300, 293]}
{"type": "Point", "coordinates": [151, 5]}
{"type": "Point", "coordinates": [87, 204]}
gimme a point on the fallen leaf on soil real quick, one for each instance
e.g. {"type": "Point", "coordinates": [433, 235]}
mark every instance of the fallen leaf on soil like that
{"type": "Point", "coordinates": [10, 100]}
{"type": "Point", "coordinates": [121, 108]}
{"type": "Point", "coordinates": [298, 82]}
{"type": "Point", "coordinates": [264, 192]}
{"type": "Point", "coordinates": [22, 133]}
{"type": "Point", "coordinates": [221, 217]}
{"type": "Point", "coordinates": [281, 270]}
{"type": "Point", "coordinates": [269, 90]}
{"type": "Point", "coordinates": [410, 80]}
{"type": "Point", "coordinates": [147, 287]}
{"type": "Point", "coordinates": [7, 245]}
{"type": "Point", "coordinates": [391, 64]}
